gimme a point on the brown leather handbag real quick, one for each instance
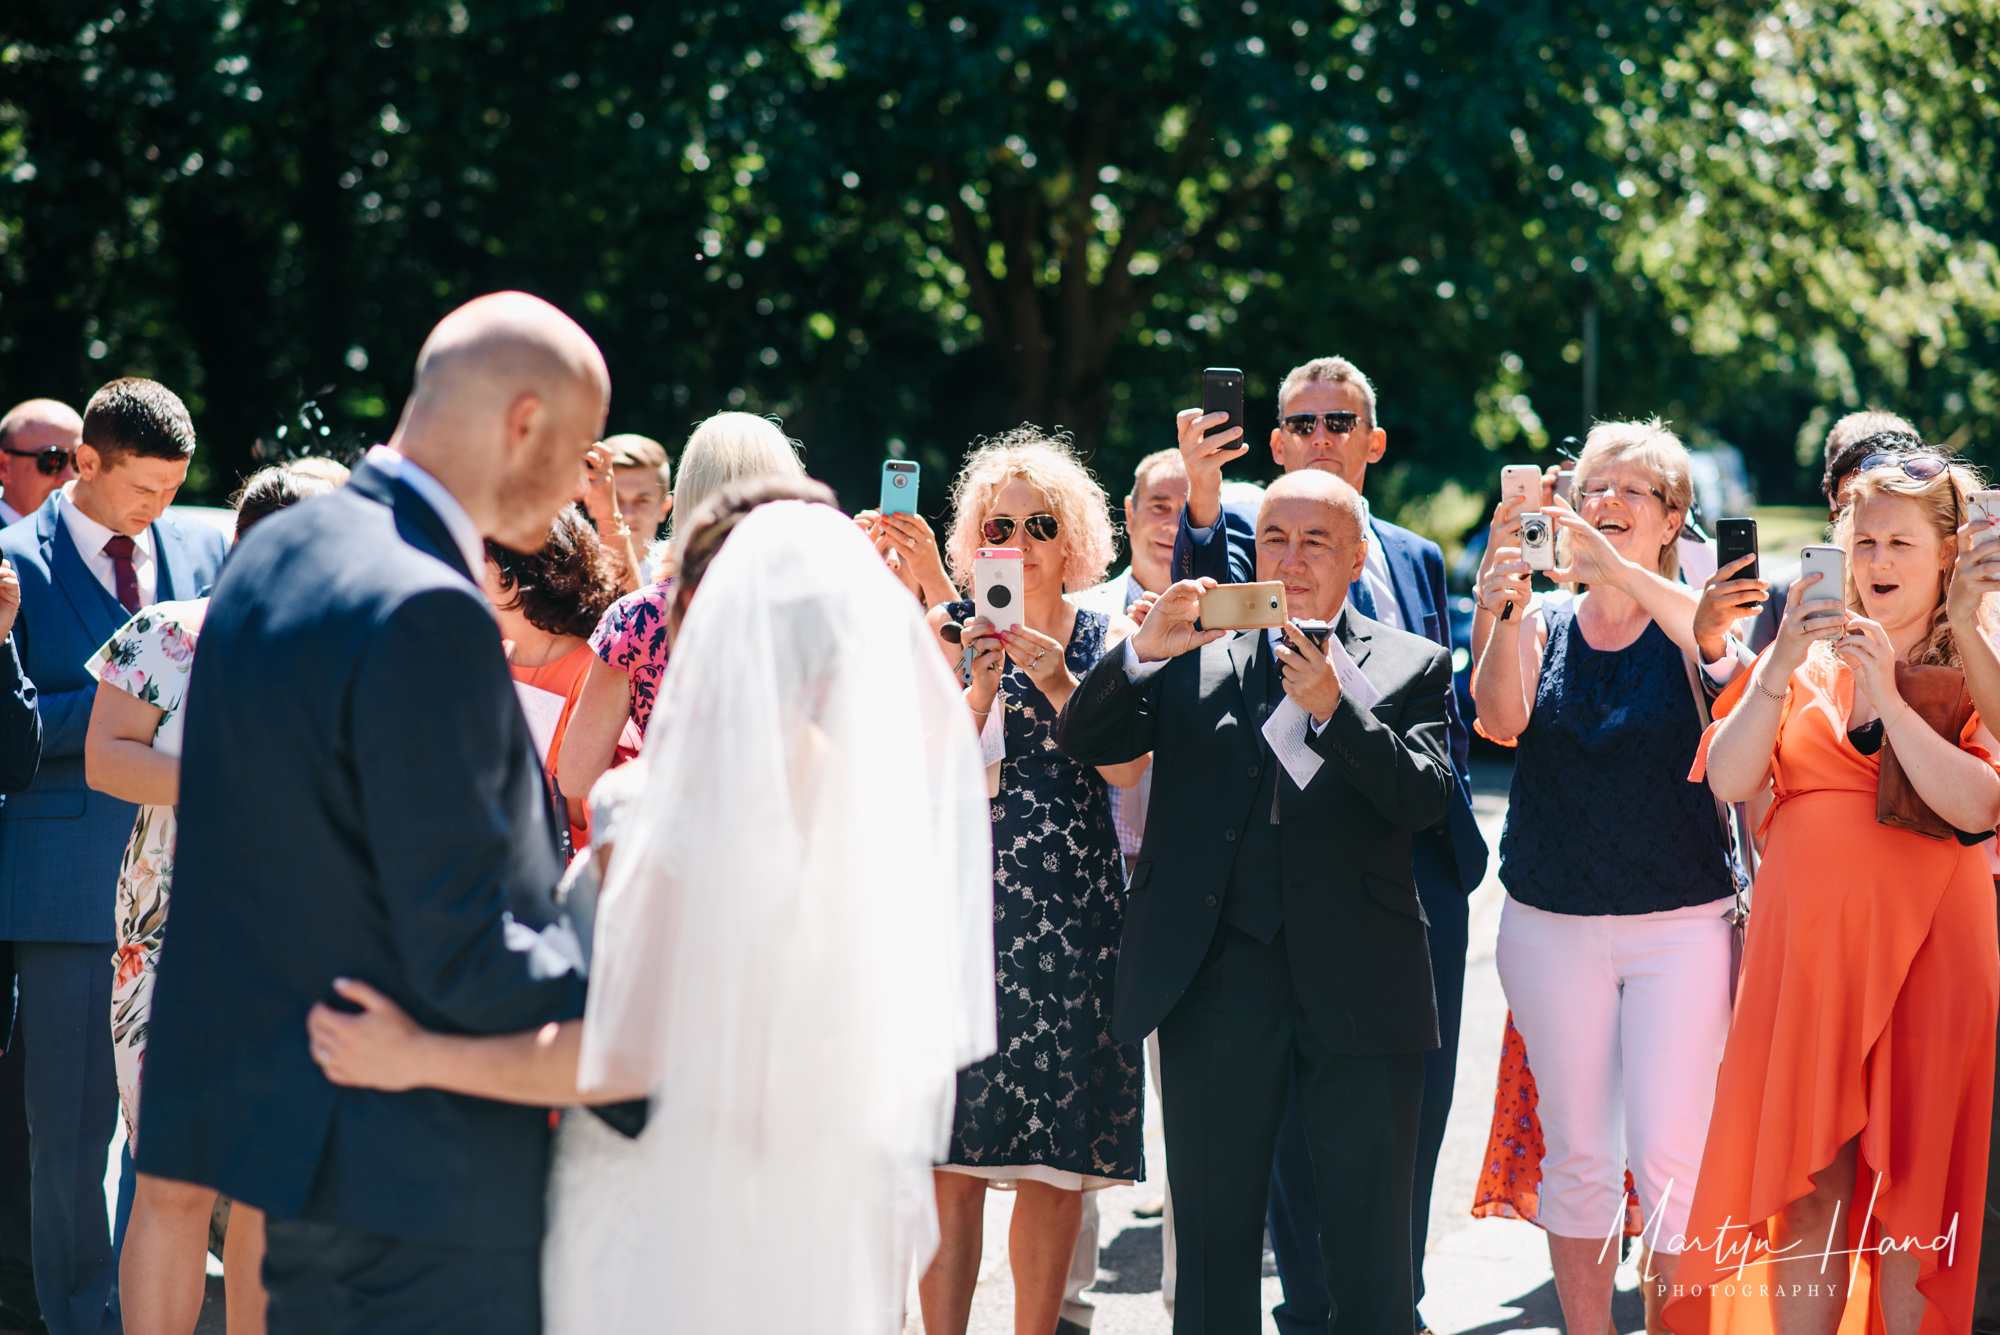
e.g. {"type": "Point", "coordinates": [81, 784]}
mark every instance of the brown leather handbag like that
{"type": "Point", "coordinates": [1939, 697]}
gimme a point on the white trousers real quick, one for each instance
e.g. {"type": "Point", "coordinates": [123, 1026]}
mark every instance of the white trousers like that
{"type": "Point", "coordinates": [1624, 1018]}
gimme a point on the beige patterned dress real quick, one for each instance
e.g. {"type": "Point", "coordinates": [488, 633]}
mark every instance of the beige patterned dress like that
{"type": "Point", "coordinates": [149, 659]}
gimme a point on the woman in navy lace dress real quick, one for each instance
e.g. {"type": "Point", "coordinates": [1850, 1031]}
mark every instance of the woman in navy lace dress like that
{"type": "Point", "coordinates": [1058, 1110]}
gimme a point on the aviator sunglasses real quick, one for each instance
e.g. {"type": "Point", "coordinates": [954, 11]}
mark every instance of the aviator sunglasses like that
{"type": "Point", "coordinates": [1337, 424]}
{"type": "Point", "coordinates": [48, 462]}
{"type": "Point", "coordinates": [1043, 528]}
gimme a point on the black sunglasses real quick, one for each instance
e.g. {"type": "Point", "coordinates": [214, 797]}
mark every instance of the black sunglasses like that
{"type": "Point", "coordinates": [48, 462]}
{"type": "Point", "coordinates": [1040, 527]}
{"type": "Point", "coordinates": [1337, 424]}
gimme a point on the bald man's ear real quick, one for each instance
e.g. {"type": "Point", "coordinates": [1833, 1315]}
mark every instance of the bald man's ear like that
{"type": "Point", "coordinates": [524, 417]}
{"type": "Point", "coordinates": [1360, 560]}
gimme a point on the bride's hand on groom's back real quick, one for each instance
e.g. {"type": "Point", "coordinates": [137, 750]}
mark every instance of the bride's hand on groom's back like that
{"type": "Point", "coordinates": [377, 1047]}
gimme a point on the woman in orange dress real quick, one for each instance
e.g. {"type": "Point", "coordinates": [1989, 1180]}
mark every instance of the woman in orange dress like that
{"type": "Point", "coordinates": [547, 603]}
{"type": "Point", "coordinates": [1842, 1186]}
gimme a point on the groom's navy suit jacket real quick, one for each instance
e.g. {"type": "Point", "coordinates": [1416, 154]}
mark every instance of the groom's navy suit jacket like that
{"type": "Point", "coordinates": [359, 797]}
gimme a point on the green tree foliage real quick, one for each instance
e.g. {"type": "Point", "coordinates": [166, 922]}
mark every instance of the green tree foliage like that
{"type": "Point", "coordinates": [901, 223]}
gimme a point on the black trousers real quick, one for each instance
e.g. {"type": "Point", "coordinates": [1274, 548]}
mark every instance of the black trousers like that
{"type": "Point", "coordinates": [1294, 1218]}
{"type": "Point", "coordinates": [327, 1280]}
{"type": "Point", "coordinates": [1229, 1049]}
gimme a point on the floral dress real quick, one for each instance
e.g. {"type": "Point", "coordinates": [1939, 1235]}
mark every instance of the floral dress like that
{"type": "Point", "coordinates": [1062, 1100]}
{"type": "Point", "coordinates": [149, 658]}
{"type": "Point", "coordinates": [632, 637]}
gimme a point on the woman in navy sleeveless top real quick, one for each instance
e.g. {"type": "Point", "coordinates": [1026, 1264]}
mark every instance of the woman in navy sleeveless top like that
{"type": "Point", "coordinates": [1613, 948]}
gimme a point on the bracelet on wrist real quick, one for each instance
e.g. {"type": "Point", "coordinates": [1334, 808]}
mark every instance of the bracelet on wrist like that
{"type": "Point", "coordinates": [1757, 680]}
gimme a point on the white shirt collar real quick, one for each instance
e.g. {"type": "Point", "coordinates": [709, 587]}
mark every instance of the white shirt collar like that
{"type": "Point", "coordinates": [457, 522]}
{"type": "Point", "coordinates": [8, 514]}
{"type": "Point", "coordinates": [90, 536]}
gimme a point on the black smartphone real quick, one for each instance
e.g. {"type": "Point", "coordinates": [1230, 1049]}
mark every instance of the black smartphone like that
{"type": "Point", "coordinates": [1222, 392]}
{"type": "Point", "coordinates": [1316, 631]}
{"type": "Point", "coordinates": [1734, 540]}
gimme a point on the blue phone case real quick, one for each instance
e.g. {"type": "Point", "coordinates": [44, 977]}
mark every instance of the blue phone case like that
{"type": "Point", "coordinates": [899, 487]}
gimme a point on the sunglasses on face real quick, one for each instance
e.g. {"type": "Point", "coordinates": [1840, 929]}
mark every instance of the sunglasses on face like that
{"type": "Point", "coordinates": [48, 462]}
{"type": "Point", "coordinates": [1337, 424]}
{"type": "Point", "coordinates": [1631, 495]}
{"type": "Point", "coordinates": [1042, 528]}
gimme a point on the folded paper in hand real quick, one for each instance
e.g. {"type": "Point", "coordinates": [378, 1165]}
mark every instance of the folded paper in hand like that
{"type": "Point", "coordinates": [1286, 729]}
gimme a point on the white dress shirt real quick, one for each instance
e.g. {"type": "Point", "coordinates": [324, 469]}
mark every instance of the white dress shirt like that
{"type": "Point", "coordinates": [8, 514]}
{"type": "Point", "coordinates": [457, 522]}
{"type": "Point", "coordinates": [90, 537]}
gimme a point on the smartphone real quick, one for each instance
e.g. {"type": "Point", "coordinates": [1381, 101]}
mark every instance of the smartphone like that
{"type": "Point", "coordinates": [899, 487]}
{"type": "Point", "coordinates": [1523, 480]}
{"type": "Point", "coordinates": [1243, 606]}
{"type": "Point", "coordinates": [1984, 505]}
{"type": "Point", "coordinates": [1831, 562]}
{"type": "Point", "coordinates": [1222, 392]}
{"type": "Point", "coordinates": [997, 586]}
{"type": "Point", "coordinates": [1538, 540]}
{"type": "Point", "coordinates": [1316, 631]}
{"type": "Point", "coordinates": [1736, 539]}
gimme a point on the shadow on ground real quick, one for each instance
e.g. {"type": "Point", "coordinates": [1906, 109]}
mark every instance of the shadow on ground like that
{"type": "Point", "coordinates": [1540, 1309]}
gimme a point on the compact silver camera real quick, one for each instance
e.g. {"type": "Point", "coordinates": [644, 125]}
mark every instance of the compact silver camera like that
{"type": "Point", "coordinates": [1538, 540]}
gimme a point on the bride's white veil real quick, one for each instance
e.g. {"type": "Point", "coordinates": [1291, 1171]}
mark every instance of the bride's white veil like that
{"type": "Point", "coordinates": [794, 947]}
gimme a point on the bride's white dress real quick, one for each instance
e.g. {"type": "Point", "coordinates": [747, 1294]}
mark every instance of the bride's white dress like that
{"type": "Point", "coordinates": [793, 951]}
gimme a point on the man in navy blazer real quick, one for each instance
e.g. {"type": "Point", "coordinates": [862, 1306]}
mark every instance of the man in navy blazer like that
{"type": "Point", "coordinates": [90, 556]}
{"type": "Point", "coordinates": [1327, 421]}
{"type": "Point", "coordinates": [361, 798]}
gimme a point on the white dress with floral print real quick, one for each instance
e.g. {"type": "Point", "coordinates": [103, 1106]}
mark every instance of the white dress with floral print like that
{"type": "Point", "coordinates": [149, 659]}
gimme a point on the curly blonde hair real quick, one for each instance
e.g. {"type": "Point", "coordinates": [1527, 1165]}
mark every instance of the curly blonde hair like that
{"type": "Point", "coordinates": [1945, 510]}
{"type": "Point", "coordinates": [1047, 462]}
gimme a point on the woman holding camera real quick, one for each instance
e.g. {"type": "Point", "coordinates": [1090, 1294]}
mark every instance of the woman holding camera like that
{"type": "Point", "coordinates": [1852, 1110]}
{"type": "Point", "coordinates": [1058, 1111]}
{"type": "Point", "coordinates": [1613, 948]}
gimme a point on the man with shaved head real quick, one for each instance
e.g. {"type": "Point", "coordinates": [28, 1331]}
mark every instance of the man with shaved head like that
{"type": "Point", "coordinates": [38, 441]}
{"type": "Point", "coordinates": [1273, 935]}
{"type": "Point", "coordinates": [360, 798]}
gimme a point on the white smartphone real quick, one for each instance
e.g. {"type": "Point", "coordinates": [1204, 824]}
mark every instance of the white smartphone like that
{"type": "Point", "coordinates": [1831, 563]}
{"type": "Point", "coordinates": [1523, 480]}
{"type": "Point", "coordinates": [1984, 505]}
{"type": "Point", "coordinates": [997, 586]}
{"type": "Point", "coordinates": [1538, 540]}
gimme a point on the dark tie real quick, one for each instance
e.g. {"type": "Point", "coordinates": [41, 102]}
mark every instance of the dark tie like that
{"type": "Point", "coordinates": [1363, 600]}
{"type": "Point", "coordinates": [119, 549]}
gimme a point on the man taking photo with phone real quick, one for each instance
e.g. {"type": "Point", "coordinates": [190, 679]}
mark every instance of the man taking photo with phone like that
{"type": "Point", "coordinates": [1327, 423]}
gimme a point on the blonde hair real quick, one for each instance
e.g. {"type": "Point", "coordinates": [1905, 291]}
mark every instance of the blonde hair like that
{"type": "Point", "coordinates": [724, 448]}
{"type": "Point", "coordinates": [1332, 371]}
{"type": "Point", "coordinates": [1945, 511]}
{"type": "Point", "coordinates": [1047, 462]}
{"type": "Point", "coordinates": [1657, 450]}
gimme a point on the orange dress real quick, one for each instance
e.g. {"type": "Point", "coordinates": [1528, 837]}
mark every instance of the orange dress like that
{"type": "Point", "coordinates": [1871, 979]}
{"type": "Point", "coordinates": [562, 676]}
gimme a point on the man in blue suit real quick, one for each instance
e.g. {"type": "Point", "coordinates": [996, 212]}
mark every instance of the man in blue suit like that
{"type": "Point", "coordinates": [1327, 421]}
{"type": "Point", "coordinates": [360, 798]}
{"type": "Point", "coordinates": [90, 556]}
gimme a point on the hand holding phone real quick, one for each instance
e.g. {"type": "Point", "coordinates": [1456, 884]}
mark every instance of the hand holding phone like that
{"type": "Point", "coordinates": [1984, 507]}
{"type": "Point", "coordinates": [1830, 564]}
{"type": "Point", "coordinates": [998, 588]}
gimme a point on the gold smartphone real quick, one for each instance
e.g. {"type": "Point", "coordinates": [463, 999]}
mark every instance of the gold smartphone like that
{"type": "Point", "coordinates": [1243, 606]}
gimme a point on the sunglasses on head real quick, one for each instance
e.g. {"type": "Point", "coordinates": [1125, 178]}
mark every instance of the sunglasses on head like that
{"type": "Point", "coordinates": [1337, 424]}
{"type": "Point", "coordinates": [1043, 528]}
{"type": "Point", "coordinates": [48, 462]}
{"type": "Point", "coordinates": [1921, 467]}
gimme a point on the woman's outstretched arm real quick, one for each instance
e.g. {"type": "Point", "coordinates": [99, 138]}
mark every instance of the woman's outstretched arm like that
{"type": "Point", "coordinates": [380, 1047]}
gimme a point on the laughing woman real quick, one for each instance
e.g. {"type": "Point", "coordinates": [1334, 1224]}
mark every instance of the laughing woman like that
{"type": "Point", "coordinates": [1613, 949]}
{"type": "Point", "coordinates": [1852, 1112]}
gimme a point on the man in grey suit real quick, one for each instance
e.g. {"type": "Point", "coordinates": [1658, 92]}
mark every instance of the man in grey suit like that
{"type": "Point", "coordinates": [89, 557]}
{"type": "Point", "coordinates": [1274, 924]}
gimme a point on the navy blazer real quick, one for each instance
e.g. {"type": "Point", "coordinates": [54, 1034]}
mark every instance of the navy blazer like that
{"type": "Point", "coordinates": [1416, 568]}
{"type": "Point", "coordinates": [60, 841]}
{"type": "Point", "coordinates": [360, 797]}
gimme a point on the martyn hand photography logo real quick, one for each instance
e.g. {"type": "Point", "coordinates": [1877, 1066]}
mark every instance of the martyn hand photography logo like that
{"type": "Point", "coordinates": [1750, 1247]}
